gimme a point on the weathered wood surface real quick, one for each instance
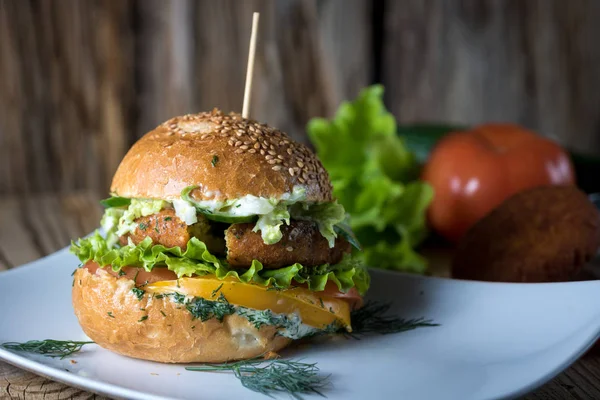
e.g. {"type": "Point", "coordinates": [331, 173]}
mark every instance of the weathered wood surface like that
{"type": "Point", "coordinates": [534, 62]}
{"type": "Point", "coordinates": [34, 227]}
{"type": "Point", "coordinates": [80, 81]}
{"type": "Point", "coordinates": [19, 384]}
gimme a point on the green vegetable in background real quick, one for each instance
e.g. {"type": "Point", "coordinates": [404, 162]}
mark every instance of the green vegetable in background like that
{"type": "Point", "coordinates": [375, 177]}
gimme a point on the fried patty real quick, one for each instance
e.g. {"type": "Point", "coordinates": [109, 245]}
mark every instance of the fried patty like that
{"type": "Point", "coordinates": [301, 243]}
{"type": "Point", "coordinates": [544, 234]}
{"type": "Point", "coordinates": [167, 229]}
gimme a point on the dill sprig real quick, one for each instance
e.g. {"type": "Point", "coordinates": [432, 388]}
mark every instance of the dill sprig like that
{"type": "Point", "coordinates": [48, 347]}
{"type": "Point", "coordinates": [204, 310]}
{"type": "Point", "coordinates": [373, 318]}
{"type": "Point", "coordinates": [269, 376]}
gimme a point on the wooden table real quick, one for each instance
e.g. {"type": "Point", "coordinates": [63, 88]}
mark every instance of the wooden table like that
{"type": "Point", "coordinates": [35, 226]}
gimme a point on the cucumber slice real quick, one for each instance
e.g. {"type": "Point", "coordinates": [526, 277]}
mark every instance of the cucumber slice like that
{"type": "Point", "coordinates": [228, 219]}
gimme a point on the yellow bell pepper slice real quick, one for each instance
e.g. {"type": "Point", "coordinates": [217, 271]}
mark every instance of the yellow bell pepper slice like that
{"type": "Point", "coordinates": [315, 310]}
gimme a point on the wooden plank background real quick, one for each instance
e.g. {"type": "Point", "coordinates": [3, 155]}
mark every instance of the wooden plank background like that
{"type": "Point", "coordinates": [80, 81]}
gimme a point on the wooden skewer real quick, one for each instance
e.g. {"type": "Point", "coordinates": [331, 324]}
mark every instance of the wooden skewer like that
{"type": "Point", "coordinates": [250, 69]}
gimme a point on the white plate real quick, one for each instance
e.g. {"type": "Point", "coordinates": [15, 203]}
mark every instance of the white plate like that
{"type": "Point", "coordinates": [495, 341]}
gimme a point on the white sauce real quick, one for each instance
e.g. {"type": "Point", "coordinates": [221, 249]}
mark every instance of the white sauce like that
{"type": "Point", "coordinates": [249, 204]}
{"type": "Point", "coordinates": [185, 211]}
{"type": "Point", "coordinates": [295, 329]}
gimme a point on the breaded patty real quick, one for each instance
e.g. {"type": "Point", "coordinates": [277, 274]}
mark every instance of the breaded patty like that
{"type": "Point", "coordinates": [538, 235]}
{"type": "Point", "coordinates": [167, 229]}
{"type": "Point", "coordinates": [301, 243]}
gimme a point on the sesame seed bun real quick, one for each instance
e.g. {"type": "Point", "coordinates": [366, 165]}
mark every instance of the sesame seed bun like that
{"type": "Point", "coordinates": [113, 317]}
{"type": "Point", "coordinates": [226, 156]}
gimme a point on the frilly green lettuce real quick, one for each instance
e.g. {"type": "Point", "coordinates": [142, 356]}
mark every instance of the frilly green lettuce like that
{"type": "Point", "coordinates": [269, 224]}
{"type": "Point", "coordinates": [197, 260]}
{"type": "Point", "coordinates": [375, 177]}
{"type": "Point", "coordinates": [122, 220]}
{"type": "Point", "coordinates": [326, 215]}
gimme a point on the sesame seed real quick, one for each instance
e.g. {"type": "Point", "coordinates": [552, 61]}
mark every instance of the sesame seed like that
{"type": "Point", "coordinates": [245, 135]}
{"type": "Point", "coordinates": [289, 248]}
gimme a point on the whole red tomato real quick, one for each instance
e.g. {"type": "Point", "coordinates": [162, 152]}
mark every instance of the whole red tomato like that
{"type": "Point", "coordinates": [472, 172]}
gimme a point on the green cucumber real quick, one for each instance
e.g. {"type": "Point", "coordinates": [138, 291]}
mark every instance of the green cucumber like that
{"type": "Point", "coordinates": [115, 201]}
{"type": "Point", "coordinates": [228, 219]}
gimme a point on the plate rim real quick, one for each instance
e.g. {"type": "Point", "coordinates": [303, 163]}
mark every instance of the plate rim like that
{"type": "Point", "coordinates": [72, 379]}
{"type": "Point", "coordinates": [114, 390]}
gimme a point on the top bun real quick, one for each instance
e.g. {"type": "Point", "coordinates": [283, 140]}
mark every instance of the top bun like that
{"type": "Point", "coordinates": [225, 156]}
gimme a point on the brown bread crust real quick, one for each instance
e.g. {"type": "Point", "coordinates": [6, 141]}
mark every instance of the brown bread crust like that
{"type": "Point", "coordinates": [544, 234]}
{"type": "Point", "coordinates": [226, 156]}
{"type": "Point", "coordinates": [174, 337]}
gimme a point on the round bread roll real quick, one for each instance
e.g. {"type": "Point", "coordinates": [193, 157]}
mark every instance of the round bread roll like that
{"type": "Point", "coordinates": [544, 234]}
{"type": "Point", "coordinates": [225, 156]}
{"type": "Point", "coordinates": [113, 317]}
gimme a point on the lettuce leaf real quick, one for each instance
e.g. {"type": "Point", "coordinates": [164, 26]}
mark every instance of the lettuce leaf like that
{"type": "Point", "coordinates": [326, 215]}
{"type": "Point", "coordinates": [269, 224]}
{"type": "Point", "coordinates": [375, 178]}
{"type": "Point", "coordinates": [197, 260]}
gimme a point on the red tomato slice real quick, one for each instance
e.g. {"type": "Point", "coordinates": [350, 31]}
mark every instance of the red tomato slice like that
{"type": "Point", "coordinates": [140, 274]}
{"type": "Point", "coordinates": [352, 296]}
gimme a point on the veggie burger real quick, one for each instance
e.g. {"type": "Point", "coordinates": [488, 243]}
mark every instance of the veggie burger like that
{"type": "Point", "coordinates": [221, 241]}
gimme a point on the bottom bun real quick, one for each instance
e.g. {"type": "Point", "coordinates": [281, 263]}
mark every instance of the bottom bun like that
{"type": "Point", "coordinates": [113, 317]}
